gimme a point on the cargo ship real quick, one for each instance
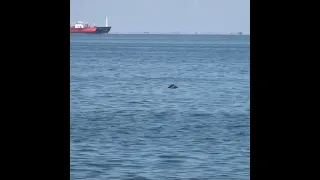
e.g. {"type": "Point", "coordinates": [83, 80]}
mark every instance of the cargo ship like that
{"type": "Point", "coordinates": [81, 27]}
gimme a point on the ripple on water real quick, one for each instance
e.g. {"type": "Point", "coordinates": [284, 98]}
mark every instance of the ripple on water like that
{"type": "Point", "coordinates": [126, 124]}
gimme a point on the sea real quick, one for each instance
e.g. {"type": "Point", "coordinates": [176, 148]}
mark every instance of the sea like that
{"type": "Point", "coordinates": [126, 124]}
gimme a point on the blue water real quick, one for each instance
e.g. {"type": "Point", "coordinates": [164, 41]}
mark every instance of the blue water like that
{"type": "Point", "coordinates": [127, 124]}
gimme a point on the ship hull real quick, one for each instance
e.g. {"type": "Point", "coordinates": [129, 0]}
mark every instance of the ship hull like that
{"type": "Point", "coordinates": [97, 30]}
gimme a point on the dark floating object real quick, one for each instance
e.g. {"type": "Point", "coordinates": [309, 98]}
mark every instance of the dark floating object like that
{"type": "Point", "coordinates": [172, 86]}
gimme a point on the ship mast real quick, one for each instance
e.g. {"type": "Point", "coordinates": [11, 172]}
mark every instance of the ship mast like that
{"type": "Point", "coordinates": [106, 21]}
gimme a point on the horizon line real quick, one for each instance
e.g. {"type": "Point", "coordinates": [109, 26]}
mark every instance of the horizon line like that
{"type": "Point", "coordinates": [177, 33]}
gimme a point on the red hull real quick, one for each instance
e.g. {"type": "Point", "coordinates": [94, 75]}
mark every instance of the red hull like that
{"type": "Point", "coordinates": [83, 30]}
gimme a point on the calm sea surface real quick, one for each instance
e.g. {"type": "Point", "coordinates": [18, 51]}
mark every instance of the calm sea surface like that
{"type": "Point", "coordinates": [127, 124]}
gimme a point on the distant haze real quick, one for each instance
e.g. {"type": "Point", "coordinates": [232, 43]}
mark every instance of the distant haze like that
{"type": "Point", "coordinates": [165, 16]}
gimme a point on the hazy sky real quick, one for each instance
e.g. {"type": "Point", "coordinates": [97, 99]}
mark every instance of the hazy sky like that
{"type": "Point", "coordinates": [216, 16]}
